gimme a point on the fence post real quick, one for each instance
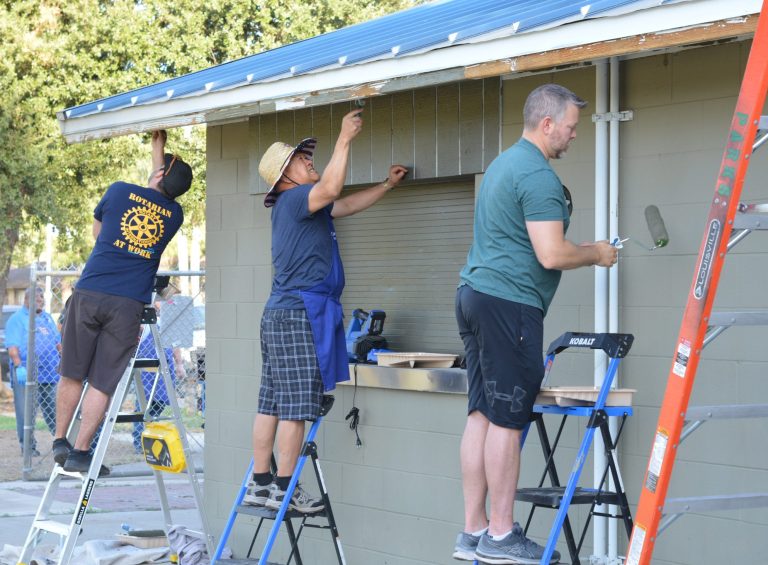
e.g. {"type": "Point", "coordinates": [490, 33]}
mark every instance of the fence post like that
{"type": "Point", "coordinates": [30, 388]}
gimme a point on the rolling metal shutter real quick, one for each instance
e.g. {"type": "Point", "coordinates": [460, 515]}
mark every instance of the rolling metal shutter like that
{"type": "Point", "coordinates": [403, 256]}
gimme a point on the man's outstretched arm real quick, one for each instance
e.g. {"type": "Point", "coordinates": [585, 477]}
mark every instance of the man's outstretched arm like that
{"type": "Point", "coordinates": [159, 137]}
{"type": "Point", "coordinates": [362, 199]}
{"type": "Point", "coordinates": [328, 188]}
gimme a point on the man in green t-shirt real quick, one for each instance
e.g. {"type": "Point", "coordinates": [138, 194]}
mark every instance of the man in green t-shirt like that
{"type": "Point", "coordinates": [513, 268]}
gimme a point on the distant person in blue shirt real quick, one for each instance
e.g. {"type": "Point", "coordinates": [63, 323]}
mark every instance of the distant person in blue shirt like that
{"type": "Point", "coordinates": [518, 253]}
{"type": "Point", "coordinates": [46, 360]}
{"type": "Point", "coordinates": [132, 226]}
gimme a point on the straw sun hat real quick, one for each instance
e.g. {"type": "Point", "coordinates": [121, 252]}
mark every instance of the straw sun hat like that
{"type": "Point", "coordinates": [276, 159]}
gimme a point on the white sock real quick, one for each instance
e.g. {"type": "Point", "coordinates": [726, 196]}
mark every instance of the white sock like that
{"type": "Point", "coordinates": [501, 537]}
{"type": "Point", "coordinates": [479, 533]}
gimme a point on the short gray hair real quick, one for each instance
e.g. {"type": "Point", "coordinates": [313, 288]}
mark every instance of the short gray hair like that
{"type": "Point", "coordinates": [548, 100]}
{"type": "Point", "coordinates": [33, 290]}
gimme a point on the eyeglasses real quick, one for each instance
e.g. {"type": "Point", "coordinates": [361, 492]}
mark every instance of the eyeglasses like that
{"type": "Point", "coordinates": [170, 166]}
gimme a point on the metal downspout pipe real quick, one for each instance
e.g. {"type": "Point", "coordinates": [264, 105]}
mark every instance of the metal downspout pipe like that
{"type": "Point", "coordinates": [599, 528]}
{"type": "Point", "coordinates": [613, 286]}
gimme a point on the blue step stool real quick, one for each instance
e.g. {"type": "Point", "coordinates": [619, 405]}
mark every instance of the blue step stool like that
{"type": "Point", "coordinates": [558, 496]}
{"type": "Point", "coordinates": [283, 515]}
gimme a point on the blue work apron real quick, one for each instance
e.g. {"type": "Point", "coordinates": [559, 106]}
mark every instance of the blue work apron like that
{"type": "Point", "coordinates": [326, 317]}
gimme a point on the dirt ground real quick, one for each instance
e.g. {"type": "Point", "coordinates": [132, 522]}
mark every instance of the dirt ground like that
{"type": "Point", "coordinates": [10, 461]}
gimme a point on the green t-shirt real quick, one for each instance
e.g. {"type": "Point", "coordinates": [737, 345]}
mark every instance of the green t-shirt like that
{"type": "Point", "coordinates": [518, 186]}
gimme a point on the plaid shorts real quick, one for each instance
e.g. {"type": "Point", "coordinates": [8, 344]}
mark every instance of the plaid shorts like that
{"type": "Point", "coordinates": [291, 385]}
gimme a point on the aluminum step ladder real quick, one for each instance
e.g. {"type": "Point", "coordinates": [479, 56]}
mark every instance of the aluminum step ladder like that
{"type": "Point", "coordinates": [283, 515]}
{"type": "Point", "coordinates": [562, 497]}
{"type": "Point", "coordinates": [68, 533]}
{"type": "Point", "coordinates": [728, 222]}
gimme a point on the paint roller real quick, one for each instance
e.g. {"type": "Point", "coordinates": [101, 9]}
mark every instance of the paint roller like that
{"type": "Point", "coordinates": [656, 227]}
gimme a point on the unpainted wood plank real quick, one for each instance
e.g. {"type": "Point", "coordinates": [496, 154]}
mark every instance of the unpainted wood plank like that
{"type": "Point", "coordinates": [722, 29]}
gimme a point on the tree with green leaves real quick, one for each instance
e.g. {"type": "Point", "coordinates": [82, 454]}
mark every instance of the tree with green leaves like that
{"type": "Point", "coordinates": [56, 54]}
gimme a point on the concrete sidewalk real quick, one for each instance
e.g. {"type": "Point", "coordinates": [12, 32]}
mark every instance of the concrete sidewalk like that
{"type": "Point", "coordinates": [114, 502]}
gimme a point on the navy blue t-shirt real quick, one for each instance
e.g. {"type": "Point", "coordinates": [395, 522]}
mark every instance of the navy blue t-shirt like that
{"type": "Point", "coordinates": [136, 225]}
{"type": "Point", "coordinates": [301, 247]}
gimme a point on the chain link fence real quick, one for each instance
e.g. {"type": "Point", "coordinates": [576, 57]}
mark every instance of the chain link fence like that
{"type": "Point", "coordinates": [181, 324]}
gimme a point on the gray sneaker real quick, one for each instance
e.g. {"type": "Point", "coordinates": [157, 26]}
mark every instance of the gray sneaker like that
{"type": "Point", "coordinates": [257, 495]}
{"type": "Point", "coordinates": [465, 547]}
{"type": "Point", "coordinates": [515, 549]}
{"type": "Point", "coordinates": [301, 501]}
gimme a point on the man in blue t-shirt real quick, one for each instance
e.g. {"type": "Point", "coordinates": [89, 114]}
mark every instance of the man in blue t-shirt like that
{"type": "Point", "coordinates": [302, 334]}
{"type": "Point", "coordinates": [513, 269]}
{"type": "Point", "coordinates": [132, 226]}
{"type": "Point", "coordinates": [45, 359]}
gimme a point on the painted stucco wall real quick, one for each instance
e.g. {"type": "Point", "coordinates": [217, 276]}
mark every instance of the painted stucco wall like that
{"type": "Point", "coordinates": [397, 499]}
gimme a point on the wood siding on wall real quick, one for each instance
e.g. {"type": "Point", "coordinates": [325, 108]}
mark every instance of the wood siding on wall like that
{"type": "Point", "coordinates": [436, 132]}
{"type": "Point", "coordinates": [403, 256]}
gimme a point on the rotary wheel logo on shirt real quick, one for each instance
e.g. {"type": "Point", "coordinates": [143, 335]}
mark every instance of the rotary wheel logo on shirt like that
{"type": "Point", "coordinates": [142, 227]}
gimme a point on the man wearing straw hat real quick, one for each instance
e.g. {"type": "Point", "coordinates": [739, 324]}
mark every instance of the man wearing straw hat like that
{"type": "Point", "coordinates": [302, 333]}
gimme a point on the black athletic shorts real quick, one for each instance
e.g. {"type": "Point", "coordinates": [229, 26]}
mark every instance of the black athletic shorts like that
{"type": "Point", "coordinates": [503, 342]}
{"type": "Point", "coordinates": [99, 337]}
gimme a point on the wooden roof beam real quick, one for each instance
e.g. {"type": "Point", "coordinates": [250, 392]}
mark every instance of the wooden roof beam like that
{"type": "Point", "coordinates": [685, 37]}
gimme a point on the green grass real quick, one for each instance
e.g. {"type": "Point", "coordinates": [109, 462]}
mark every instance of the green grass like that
{"type": "Point", "coordinates": [9, 423]}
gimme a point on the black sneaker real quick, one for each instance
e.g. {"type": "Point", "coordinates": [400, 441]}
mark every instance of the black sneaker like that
{"type": "Point", "coordinates": [80, 462]}
{"type": "Point", "coordinates": [301, 501]}
{"type": "Point", "coordinates": [77, 461]}
{"type": "Point", "coordinates": [61, 449]}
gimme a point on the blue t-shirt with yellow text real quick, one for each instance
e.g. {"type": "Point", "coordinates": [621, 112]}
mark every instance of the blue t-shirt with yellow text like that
{"type": "Point", "coordinates": [137, 223]}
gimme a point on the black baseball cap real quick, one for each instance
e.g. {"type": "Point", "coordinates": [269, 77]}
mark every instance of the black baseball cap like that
{"type": "Point", "coordinates": [177, 176]}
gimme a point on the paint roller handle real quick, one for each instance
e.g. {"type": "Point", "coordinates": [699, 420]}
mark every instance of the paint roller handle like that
{"type": "Point", "coordinates": [656, 226]}
{"type": "Point", "coordinates": [619, 243]}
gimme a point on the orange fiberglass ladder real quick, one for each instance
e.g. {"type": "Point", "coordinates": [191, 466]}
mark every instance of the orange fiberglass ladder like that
{"type": "Point", "coordinates": [728, 222]}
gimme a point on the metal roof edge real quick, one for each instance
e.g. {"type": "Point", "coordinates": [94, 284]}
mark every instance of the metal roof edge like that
{"type": "Point", "coordinates": [389, 75]}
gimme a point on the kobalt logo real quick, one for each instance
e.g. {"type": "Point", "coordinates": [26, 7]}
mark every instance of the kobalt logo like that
{"type": "Point", "coordinates": [702, 275]}
{"type": "Point", "coordinates": [582, 341]}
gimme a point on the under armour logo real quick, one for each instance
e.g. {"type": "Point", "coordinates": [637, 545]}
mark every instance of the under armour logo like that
{"type": "Point", "coordinates": [515, 399]}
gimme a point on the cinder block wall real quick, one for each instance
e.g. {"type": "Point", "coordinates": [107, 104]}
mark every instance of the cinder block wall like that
{"type": "Point", "coordinates": [669, 156]}
{"type": "Point", "coordinates": [398, 499]}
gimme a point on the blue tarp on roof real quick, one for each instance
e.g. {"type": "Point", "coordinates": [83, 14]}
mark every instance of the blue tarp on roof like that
{"type": "Point", "coordinates": [422, 28]}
